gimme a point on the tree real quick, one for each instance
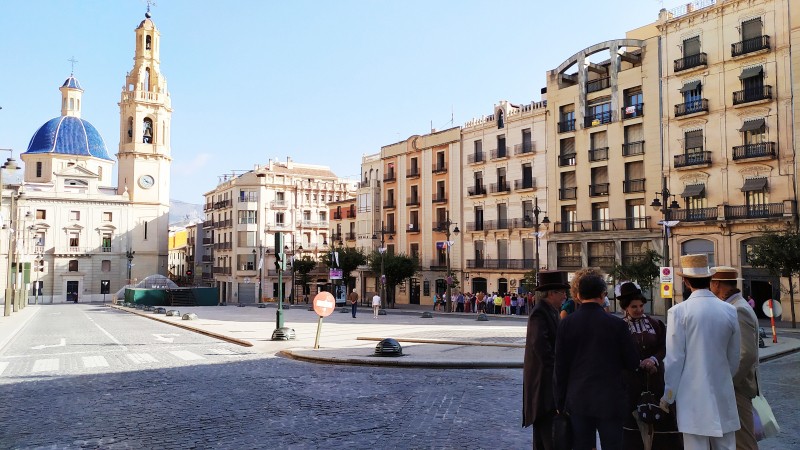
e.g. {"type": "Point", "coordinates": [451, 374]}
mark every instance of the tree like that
{"type": "Point", "coordinates": [397, 267]}
{"type": "Point", "coordinates": [779, 253]}
{"type": "Point", "coordinates": [349, 260]}
{"type": "Point", "coordinates": [644, 271]}
{"type": "Point", "coordinates": [303, 267]}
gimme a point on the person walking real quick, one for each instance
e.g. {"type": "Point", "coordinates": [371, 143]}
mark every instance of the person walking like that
{"type": "Point", "coordinates": [353, 299]}
{"type": "Point", "coordinates": [702, 358]}
{"type": "Point", "coordinates": [376, 305]}
{"type": "Point", "coordinates": [723, 285]}
{"type": "Point", "coordinates": [593, 350]}
{"type": "Point", "coordinates": [435, 301]}
{"type": "Point", "coordinates": [538, 403]}
{"type": "Point", "coordinates": [460, 302]}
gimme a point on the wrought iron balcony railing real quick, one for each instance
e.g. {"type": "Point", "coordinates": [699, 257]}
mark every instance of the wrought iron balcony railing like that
{"type": "Point", "coordinates": [568, 193]}
{"type": "Point", "coordinates": [567, 125]}
{"type": "Point", "coordinates": [752, 95]}
{"type": "Point", "coordinates": [598, 154]}
{"type": "Point", "coordinates": [633, 148]}
{"type": "Point", "coordinates": [598, 189]}
{"type": "Point", "coordinates": [691, 61]}
{"type": "Point", "coordinates": [691, 107]}
{"type": "Point", "coordinates": [629, 112]}
{"type": "Point", "coordinates": [749, 46]}
{"type": "Point", "coordinates": [760, 150]}
{"type": "Point", "coordinates": [473, 158]}
{"type": "Point", "coordinates": [633, 185]}
{"type": "Point", "coordinates": [693, 159]}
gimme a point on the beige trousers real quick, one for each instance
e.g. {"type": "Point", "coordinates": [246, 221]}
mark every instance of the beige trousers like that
{"type": "Point", "coordinates": [745, 436]}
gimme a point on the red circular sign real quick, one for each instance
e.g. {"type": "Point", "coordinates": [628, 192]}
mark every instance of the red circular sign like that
{"type": "Point", "coordinates": [324, 304]}
{"type": "Point", "coordinates": [665, 271]}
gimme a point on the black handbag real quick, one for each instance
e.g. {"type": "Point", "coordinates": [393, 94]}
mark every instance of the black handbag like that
{"type": "Point", "coordinates": [562, 432]}
{"type": "Point", "coordinates": [647, 409]}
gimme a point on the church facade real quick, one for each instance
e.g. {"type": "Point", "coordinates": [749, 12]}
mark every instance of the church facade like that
{"type": "Point", "coordinates": [75, 233]}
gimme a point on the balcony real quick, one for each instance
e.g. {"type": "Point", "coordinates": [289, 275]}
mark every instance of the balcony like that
{"type": "Point", "coordinates": [632, 111]}
{"type": "Point", "coordinates": [279, 204]}
{"type": "Point", "coordinates": [566, 126]}
{"type": "Point", "coordinates": [476, 190]}
{"type": "Point", "coordinates": [690, 159]}
{"type": "Point", "coordinates": [439, 198]}
{"type": "Point", "coordinates": [568, 193]}
{"type": "Point", "coordinates": [752, 95]}
{"type": "Point", "coordinates": [221, 270]}
{"type": "Point", "coordinates": [499, 153]}
{"type": "Point", "coordinates": [524, 148]}
{"type": "Point", "coordinates": [389, 176]}
{"type": "Point", "coordinates": [337, 216]}
{"type": "Point", "coordinates": [588, 226]}
{"type": "Point", "coordinates": [223, 246]}
{"type": "Point", "coordinates": [350, 236]}
{"type": "Point", "coordinates": [208, 207]}
{"type": "Point", "coordinates": [598, 190]}
{"type": "Point", "coordinates": [633, 148]}
{"type": "Point", "coordinates": [207, 276]}
{"type": "Point", "coordinates": [439, 168]}
{"type": "Point", "coordinates": [501, 264]}
{"type": "Point", "coordinates": [602, 261]}
{"type": "Point", "coordinates": [753, 45]}
{"type": "Point", "coordinates": [437, 264]}
{"type": "Point", "coordinates": [499, 187]}
{"type": "Point", "coordinates": [412, 172]}
{"type": "Point", "coordinates": [598, 154]}
{"type": "Point", "coordinates": [389, 204]}
{"type": "Point", "coordinates": [105, 249]}
{"type": "Point", "coordinates": [691, 62]}
{"type": "Point", "coordinates": [566, 159]}
{"type": "Point", "coordinates": [222, 204]}
{"type": "Point", "coordinates": [569, 262]}
{"type": "Point", "coordinates": [336, 237]}
{"type": "Point", "coordinates": [412, 201]}
{"type": "Point", "coordinates": [308, 223]}
{"type": "Point", "coordinates": [207, 241]}
{"type": "Point", "coordinates": [766, 210]}
{"type": "Point", "coordinates": [524, 183]}
{"type": "Point", "coordinates": [598, 84]}
{"type": "Point", "coordinates": [248, 197]}
{"type": "Point", "coordinates": [73, 250]}
{"type": "Point", "coordinates": [278, 225]}
{"type": "Point", "coordinates": [413, 228]}
{"type": "Point", "coordinates": [208, 223]}
{"type": "Point", "coordinates": [475, 158]}
{"type": "Point", "coordinates": [593, 120]}
{"type": "Point", "coordinates": [476, 226]}
{"type": "Point", "coordinates": [207, 259]}
{"type": "Point", "coordinates": [350, 214]}
{"type": "Point", "coordinates": [693, 215]}
{"type": "Point", "coordinates": [633, 185]}
{"type": "Point", "coordinates": [691, 107]}
{"type": "Point", "coordinates": [223, 223]}
{"type": "Point", "coordinates": [500, 224]}
{"type": "Point", "coordinates": [763, 150]}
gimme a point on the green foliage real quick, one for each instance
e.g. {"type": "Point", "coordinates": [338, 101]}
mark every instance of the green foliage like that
{"type": "Point", "coordinates": [529, 281]}
{"type": "Point", "coordinates": [778, 252]}
{"type": "Point", "coordinates": [397, 267]}
{"type": "Point", "coordinates": [349, 260]}
{"type": "Point", "coordinates": [643, 271]}
{"type": "Point", "coordinates": [303, 267]}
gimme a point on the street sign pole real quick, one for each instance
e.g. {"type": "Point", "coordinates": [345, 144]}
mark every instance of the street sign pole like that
{"type": "Point", "coordinates": [324, 304]}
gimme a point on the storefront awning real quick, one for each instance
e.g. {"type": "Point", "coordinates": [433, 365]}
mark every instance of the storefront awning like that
{"type": "Point", "coordinates": [752, 125]}
{"type": "Point", "coordinates": [690, 86]}
{"type": "Point", "coordinates": [754, 184]}
{"type": "Point", "coordinates": [694, 190]}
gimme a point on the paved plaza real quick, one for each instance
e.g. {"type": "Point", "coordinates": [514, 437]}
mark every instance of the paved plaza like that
{"type": "Point", "coordinates": [92, 376]}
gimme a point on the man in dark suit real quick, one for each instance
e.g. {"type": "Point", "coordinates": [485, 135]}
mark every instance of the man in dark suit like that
{"type": "Point", "coordinates": [593, 348]}
{"type": "Point", "coordinates": [538, 408]}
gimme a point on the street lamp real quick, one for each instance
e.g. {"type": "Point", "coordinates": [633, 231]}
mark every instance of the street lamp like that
{"type": "Point", "coordinates": [536, 224]}
{"type": "Point", "coordinates": [660, 204]}
{"type": "Point", "coordinates": [382, 251]}
{"type": "Point", "coordinates": [10, 164]}
{"type": "Point", "coordinates": [260, 270]}
{"type": "Point", "coordinates": [39, 260]}
{"type": "Point", "coordinates": [446, 225]}
{"type": "Point", "coordinates": [129, 254]}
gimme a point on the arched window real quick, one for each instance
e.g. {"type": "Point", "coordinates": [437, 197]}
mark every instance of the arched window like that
{"type": "Point", "coordinates": [147, 42]}
{"type": "Point", "coordinates": [699, 246]}
{"type": "Point", "coordinates": [73, 265]}
{"type": "Point", "coordinates": [147, 131]}
{"type": "Point", "coordinates": [71, 103]}
{"type": "Point", "coordinates": [500, 119]}
{"type": "Point", "coordinates": [147, 79]}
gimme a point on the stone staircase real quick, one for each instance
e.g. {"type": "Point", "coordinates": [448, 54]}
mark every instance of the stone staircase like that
{"type": "Point", "coordinates": [181, 297]}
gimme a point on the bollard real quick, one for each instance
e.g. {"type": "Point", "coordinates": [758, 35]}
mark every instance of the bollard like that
{"type": "Point", "coordinates": [482, 317]}
{"type": "Point", "coordinates": [173, 312]}
{"type": "Point", "coordinates": [160, 310]}
{"type": "Point", "coordinates": [190, 316]}
{"type": "Point", "coordinates": [388, 347]}
{"type": "Point", "coordinates": [427, 315]}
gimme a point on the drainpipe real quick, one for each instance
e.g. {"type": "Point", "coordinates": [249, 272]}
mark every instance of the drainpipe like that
{"type": "Point", "coordinates": [792, 127]}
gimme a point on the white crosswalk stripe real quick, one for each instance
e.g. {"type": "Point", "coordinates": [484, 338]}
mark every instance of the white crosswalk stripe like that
{"type": "Point", "coordinates": [186, 355]}
{"type": "Point", "coordinates": [45, 365]}
{"type": "Point", "coordinates": [222, 351]}
{"type": "Point", "coordinates": [141, 358]}
{"type": "Point", "coordinates": [3, 366]}
{"type": "Point", "coordinates": [94, 361]}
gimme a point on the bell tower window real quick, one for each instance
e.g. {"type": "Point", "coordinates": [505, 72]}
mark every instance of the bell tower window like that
{"type": "Point", "coordinates": [38, 169]}
{"type": "Point", "coordinates": [147, 79]}
{"type": "Point", "coordinates": [130, 129]}
{"type": "Point", "coordinates": [147, 43]}
{"type": "Point", "coordinates": [147, 133]}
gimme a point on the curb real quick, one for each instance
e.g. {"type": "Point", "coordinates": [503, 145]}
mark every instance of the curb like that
{"type": "Point", "coordinates": [5, 340]}
{"type": "Point", "coordinates": [399, 362]}
{"type": "Point", "coordinates": [212, 334]}
{"type": "Point", "coordinates": [446, 342]}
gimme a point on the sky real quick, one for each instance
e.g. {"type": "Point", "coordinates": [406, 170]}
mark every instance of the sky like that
{"type": "Point", "coordinates": [323, 82]}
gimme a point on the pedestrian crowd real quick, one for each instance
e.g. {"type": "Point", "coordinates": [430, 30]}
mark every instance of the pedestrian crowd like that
{"type": "Point", "coordinates": [511, 304]}
{"type": "Point", "coordinates": [593, 380]}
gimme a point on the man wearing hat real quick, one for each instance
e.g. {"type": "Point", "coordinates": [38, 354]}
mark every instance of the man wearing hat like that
{"type": "Point", "coordinates": [723, 285]}
{"type": "Point", "coordinates": [702, 358]}
{"type": "Point", "coordinates": [539, 407]}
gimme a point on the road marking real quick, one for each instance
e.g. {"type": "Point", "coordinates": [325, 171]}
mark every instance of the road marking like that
{"type": "Point", "coordinates": [113, 339]}
{"type": "Point", "coordinates": [3, 366]}
{"type": "Point", "coordinates": [141, 358]}
{"type": "Point", "coordinates": [223, 351]}
{"type": "Point", "coordinates": [94, 361]}
{"type": "Point", "coordinates": [63, 343]}
{"type": "Point", "coordinates": [160, 337]}
{"type": "Point", "coordinates": [186, 355]}
{"type": "Point", "coordinates": [45, 365]}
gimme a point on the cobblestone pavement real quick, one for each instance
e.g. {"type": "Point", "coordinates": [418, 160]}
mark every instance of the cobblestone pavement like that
{"type": "Point", "coordinates": [121, 382]}
{"type": "Point", "coordinates": [780, 379]}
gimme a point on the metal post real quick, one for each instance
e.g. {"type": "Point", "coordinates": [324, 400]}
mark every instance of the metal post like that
{"type": "Point", "coordinates": [660, 204]}
{"type": "Point", "coordinates": [260, 273]}
{"type": "Point", "coordinates": [10, 164]}
{"type": "Point", "coordinates": [449, 280]}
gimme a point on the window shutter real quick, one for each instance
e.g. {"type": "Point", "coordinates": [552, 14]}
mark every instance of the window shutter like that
{"type": "Point", "coordinates": [751, 29]}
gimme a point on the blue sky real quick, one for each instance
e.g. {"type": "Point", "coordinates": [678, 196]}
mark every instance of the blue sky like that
{"type": "Point", "coordinates": [321, 81]}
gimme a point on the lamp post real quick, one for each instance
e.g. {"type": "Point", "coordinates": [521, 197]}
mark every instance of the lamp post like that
{"type": "Point", "coordinates": [382, 251]}
{"type": "Point", "coordinates": [38, 260]}
{"type": "Point", "coordinates": [660, 204]}
{"type": "Point", "coordinates": [129, 254]}
{"type": "Point", "coordinates": [446, 225]}
{"type": "Point", "coordinates": [293, 298]}
{"type": "Point", "coordinates": [260, 270]}
{"type": "Point", "coordinates": [536, 224]}
{"type": "Point", "coordinates": [10, 164]}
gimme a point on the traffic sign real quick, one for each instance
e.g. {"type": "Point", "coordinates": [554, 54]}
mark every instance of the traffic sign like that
{"type": "Point", "coordinates": [666, 290]}
{"type": "Point", "coordinates": [324, 304]}
{"type": "Point", "coordinates": [666, 274]}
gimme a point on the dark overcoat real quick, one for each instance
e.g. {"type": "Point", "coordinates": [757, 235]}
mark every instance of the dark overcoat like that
{"type": "Point", "coordinates": [537, 372]}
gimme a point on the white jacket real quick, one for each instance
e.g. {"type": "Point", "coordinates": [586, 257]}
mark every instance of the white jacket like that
{"type": "Point", "coordinates": [702, 356]}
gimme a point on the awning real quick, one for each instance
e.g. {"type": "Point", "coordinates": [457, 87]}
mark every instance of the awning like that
{"type": "Point", "coordinates": [752, 125]}
{"type": "Point", "coordinates": [751, 72]}
{"type": "Point", "coordinates": [690, 86]}
{"type": "Point", "coordinates": [694, 190]}
{"type": "Point", "coordinates": [754, 184]}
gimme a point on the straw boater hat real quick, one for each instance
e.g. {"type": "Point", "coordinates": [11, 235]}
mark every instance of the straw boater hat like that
{"type": "Point", "coordinates": [695, 266]}
{"type": "Point", "coordinates": [725, 273]}
{"type": "Point", "coordinates": [550, 280]}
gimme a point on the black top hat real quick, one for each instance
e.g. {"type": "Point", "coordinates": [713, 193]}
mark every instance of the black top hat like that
{"type": "Point", "coordinates": [628, 290]}
{"type": "Point", "coordinates": [550, 280]}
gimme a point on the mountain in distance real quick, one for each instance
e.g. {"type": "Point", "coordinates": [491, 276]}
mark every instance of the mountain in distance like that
{"type": "Point", "coordinates": [181, 213]}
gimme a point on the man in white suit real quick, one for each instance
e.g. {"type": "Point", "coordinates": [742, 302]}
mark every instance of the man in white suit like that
{"type": "Point", "coordinates": [702, 358]}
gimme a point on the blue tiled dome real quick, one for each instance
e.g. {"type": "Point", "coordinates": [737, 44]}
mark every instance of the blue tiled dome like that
{"type": "Point", "coordinates": [68, 135]}
{"type": "Point", "coordinates": [72, 82]}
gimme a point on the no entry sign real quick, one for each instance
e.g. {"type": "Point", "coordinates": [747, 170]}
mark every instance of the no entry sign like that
{"type": "Point", "coordinates": [324, 304]}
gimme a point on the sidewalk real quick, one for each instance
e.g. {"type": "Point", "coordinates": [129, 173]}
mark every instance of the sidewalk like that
{"type": "Point", "coordinates": [448, 340]}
